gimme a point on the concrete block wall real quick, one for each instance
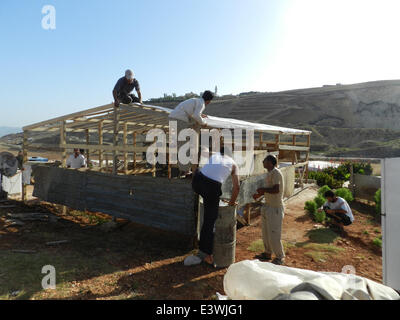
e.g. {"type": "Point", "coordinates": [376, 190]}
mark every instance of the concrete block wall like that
{"type": "Point", "coordinates": [156, 202]}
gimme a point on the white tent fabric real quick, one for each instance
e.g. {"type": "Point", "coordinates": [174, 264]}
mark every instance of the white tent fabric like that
{"type": "Point", "coordinates": [255, 280]}
{"type": "Point", "coordinates": [227, 123]}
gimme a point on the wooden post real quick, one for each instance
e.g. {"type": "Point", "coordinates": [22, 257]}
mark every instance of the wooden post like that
{"type": "Point", "coordinates": [100, 144]}
{"type": "Point", "coordinates": [352, 189]}
{"type": "Point", "coordinates": [154, 164]}
{"type": "Point", "coordinates": [308, 155]}
{"type": "Point", "coordinates": [125, 142]}
{"type": "Point", "coordinates": [115, 139]}
{"type": "Point", "coordinates": [25, 159]}
{"type": "Point", "coordinates": [63, 139]}
{"type": "Point", "coordinates": [134, 153]}
{"type": "Point", "coordinates": [294, 151]}
{"type": "Point", "coordinates": [261, 140]}
{"type": "Point", "coordinates": [277, 142]}
{"type": "Point", "coordinates": [87, 150]}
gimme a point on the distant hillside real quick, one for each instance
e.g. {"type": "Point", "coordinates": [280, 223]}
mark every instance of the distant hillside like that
{"type": "Point", "coordinates": [360, 120]}
{"type": "Point", "coordinates": [346, 120]}
{"type": "Point", "coordinates": [9, 130]}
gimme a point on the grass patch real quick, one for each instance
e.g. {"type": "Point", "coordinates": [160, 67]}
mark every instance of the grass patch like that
{"type": "Point", "coordinates": [258, 246]}
{"type": "Point", "coordinates": [320, 252]}
{"type": "Point", "coordinates": [21, 273]}
{"type": "Point", "coordinates": [323, 235]}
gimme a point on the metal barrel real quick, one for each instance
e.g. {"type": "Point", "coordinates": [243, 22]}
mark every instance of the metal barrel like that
{"type": "Point", "coordinates": [224, 234]}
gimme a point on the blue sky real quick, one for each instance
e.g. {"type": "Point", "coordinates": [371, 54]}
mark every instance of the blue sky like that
{"type": "Point", "coordinates": [178, 46]}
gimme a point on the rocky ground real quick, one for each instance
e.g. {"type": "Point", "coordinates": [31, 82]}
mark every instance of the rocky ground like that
{"type": "Point", "coordinates": [98, 259]}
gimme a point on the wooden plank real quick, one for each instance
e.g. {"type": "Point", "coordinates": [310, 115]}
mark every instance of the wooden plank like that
{"type": "Point", "coordinates": [294, 148]}
{"type": "Point", "coordinates": [63, 142]}
{"type": "Point", "coordinates": [134, 145]}
{"type": "Point", "coordinates": [87, 150]}
{"type": "Point", "coordinates": [100, 129]}
{"type": "Point", "coordinates": [25, 159]}
{"type": "Point", "coordinates": [115, 139]}
{"type": "Point", "coordinates": [125, 142]}
{"type": "Point", "coordinates": [66, 117]}
{"type": "Point", "coordinates": [294, 159]}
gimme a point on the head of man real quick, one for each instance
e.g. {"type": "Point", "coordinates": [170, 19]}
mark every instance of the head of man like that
{"type": "Point", "coordinates": [76, 152]}
{"type": "Point", "coordinates": [330, 196]}
{"type": "Point", "coordinates": [207, 96]}
{"type": "Point", "coordinates": [270, 162]}
{"type": "Point", "coordinates": [129, 75]}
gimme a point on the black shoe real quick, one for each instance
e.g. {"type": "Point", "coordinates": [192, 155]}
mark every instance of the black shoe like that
{"type": "Point", "coordinates": [278, 261]}
{"type": "Point", "coordinates": [263, 257]}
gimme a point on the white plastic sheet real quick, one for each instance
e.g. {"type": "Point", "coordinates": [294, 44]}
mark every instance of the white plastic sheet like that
{"type": "Point", "coordinates": [255, 280]}
{"type": "Point", "coordinates": [12, 185]}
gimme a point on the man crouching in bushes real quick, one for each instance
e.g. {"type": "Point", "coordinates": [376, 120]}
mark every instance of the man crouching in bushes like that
{"type": "Point", "coordinates": [338, 210]}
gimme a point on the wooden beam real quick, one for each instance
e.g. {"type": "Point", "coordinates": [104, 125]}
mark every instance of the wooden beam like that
{"type": "Point", "coordinates": [115, 139]}
{"type": "Point", "coordinates": [100, 143]}
{"type": "Point", "coordinates": [69, 116]}
{"type": "Point", "coordinates": [87, 150]}
{"type": "Point", "coordinates": [24, 160]}
{"type": "Point", "coordinates": [293, 148]}
{"type": "Point", "coordinates": [125, 142]}
{"type": "Point", "coordinates": [294, 159]}
{"type": "Point", "coordinates": [134, 146]}
{"type": "Point", "coordinates": [63, 139]}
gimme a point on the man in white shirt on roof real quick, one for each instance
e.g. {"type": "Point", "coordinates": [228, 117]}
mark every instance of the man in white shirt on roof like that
{"type": "Point", "coordinates": [76, 160]}
{"type": "Point", "coordinates": [189, 114]}
{"type": "Point", "coordinates": [207, 182]}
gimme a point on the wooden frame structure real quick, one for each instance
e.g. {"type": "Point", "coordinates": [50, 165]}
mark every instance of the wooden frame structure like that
{"type": "Point", "coordinates": [126, 127]}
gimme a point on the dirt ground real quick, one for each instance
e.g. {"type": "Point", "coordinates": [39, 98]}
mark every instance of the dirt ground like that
{"type": "Point", "coordinates": [130, 261]}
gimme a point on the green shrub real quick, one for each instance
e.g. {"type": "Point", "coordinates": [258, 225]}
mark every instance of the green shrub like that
{"type": "Point", "coordinates": [310, 207]}
{"type": "Point", "coordinates": [324, 178]}
{"type": "Point", "coordinates": [377, 242]}
{"type": "Point", "coordinates": [345, 194]}
{"type": "Point", "coordinates": [319, 200]}
{"type": "Point", "coordinates": [377, 198]}
{"type": "Point", "coordinates": [322, 190]}
{"type": "Point", "coordinates": [320, 216]}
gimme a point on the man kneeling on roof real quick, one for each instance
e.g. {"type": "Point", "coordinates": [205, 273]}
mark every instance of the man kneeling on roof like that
{"type": "Point", "coordinates": [207, 182]}
{"type": "Point", "coordinates": [338, 210]}
{"type": "Point", "coordinates": [124, 87]}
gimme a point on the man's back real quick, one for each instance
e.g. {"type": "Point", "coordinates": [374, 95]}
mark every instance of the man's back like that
{"type": "Point", "coordinates": [191, 108]}
{"type": "Point", "coordinates": [218, 168]}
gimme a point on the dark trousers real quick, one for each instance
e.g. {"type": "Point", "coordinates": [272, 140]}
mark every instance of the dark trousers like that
{"type": "Point", "coordinates": [340, 218]}
{"type": "Point", "coordinates": [210, 190]}
{"type": "Point", "coordinates": [127, 98]}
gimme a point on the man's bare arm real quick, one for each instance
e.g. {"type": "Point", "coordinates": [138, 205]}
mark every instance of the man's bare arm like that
{"type": "Point", "coordinates": [139, 96]}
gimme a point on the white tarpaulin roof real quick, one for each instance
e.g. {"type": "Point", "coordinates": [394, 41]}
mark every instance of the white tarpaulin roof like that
{"type": "Point", "coordinates": [228, 123]}
{"type": "Point", "coordinates": [139, 116]}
